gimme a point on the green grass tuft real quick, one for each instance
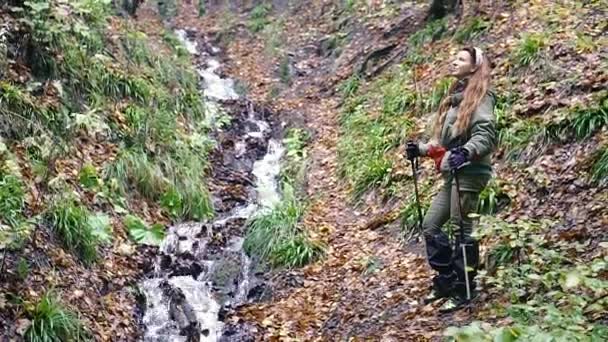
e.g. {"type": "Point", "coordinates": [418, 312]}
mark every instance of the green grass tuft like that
{"type": "Point", "coordinates": [599, 170]}
{"type": "Point", "coordinates": [69, 220]}
{"type": "Point", "coordinates": [529, 49]}
{"type": "Point", "coordinates": [276, 236]}
{"type": "Point", "coordinates": [12, 200]}
{"type": "Point", "coordinates": [51, 321]}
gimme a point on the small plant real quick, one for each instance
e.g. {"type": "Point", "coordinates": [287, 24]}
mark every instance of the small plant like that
{"type": "Point", "coordinates": [69, 220]}
{"type": "Point", "coordinates": [471, 30]}
{"type": "Point", "coordinates": [276, 236]}
{"type": "Point", "coordinates": [491, 199]}
{"type": "Point", "coordinates": [529, 49]}
{"type": "Point", "coordinates": [258, 19]}
{"type": "Point", "coordinates": [585, 122]}
{"type": "Point", "coordinates": [51, 321]}
{"type": "Point", "coordinates": [599, 171]}
{"type": "Point", "coordinates": [88, 177]}
{"type": "Point", "coordinates": [101, 227]}
{"type": "Point", "coordinates": [285, 70]}
{"type": "Point", "coordinates": [295, 142]}
{"type": "Point", "coordinates": [350, 86]}
{"type": "Point", "coordinates": [23, 268]}
{"type": "Point", "coordinates": [12, 200]}
{"type": "Point", "coordinates": [141, 233]}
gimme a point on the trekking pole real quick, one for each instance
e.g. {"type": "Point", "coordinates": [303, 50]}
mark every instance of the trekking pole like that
{"type": "Point", "coordinates": [419, 209]}
{"type": "Point", "coordinates": [462, 243]}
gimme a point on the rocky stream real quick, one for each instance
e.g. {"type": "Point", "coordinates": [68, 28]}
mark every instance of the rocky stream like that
{"type": "Point", "coordinates": [201, 270]}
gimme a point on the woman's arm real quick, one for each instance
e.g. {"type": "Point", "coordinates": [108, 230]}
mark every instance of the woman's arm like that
{"type": "Point", "coordinates": [483, 131]}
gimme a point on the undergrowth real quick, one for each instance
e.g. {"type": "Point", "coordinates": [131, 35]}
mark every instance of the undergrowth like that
{"type": "Point", "coordinates": [53, 322]}
{"type": "Point", "coordinates": [548, 292]}
{"type": "Point", "coordinates": [367, 137]}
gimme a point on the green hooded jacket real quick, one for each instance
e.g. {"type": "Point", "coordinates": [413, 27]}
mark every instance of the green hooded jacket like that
{"type": "Point", "coordinates": [480, 139]}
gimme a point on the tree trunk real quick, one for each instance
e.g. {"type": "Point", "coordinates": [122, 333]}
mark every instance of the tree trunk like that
{"type": "Point", "coordinates": [440, 8]}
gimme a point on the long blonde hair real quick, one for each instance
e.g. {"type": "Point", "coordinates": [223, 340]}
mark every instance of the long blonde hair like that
{"type": "Point", "coordinates": [476, 88]}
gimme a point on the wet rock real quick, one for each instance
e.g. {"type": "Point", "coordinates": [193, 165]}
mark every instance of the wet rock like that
{"type": "Point", "coordinates": [181, 312]}
{"type": "Point", "coordinates": [225, 276]}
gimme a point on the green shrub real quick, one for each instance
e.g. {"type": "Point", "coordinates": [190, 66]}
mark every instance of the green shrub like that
{"type": "Point", "coordinates": [69, 220]}
{"type": "Point", "coordinates": [275, 235]}
{"type": "Point", "coordinates": [51, 321]}
{"type": "Point", "coordinates": [439, 91]}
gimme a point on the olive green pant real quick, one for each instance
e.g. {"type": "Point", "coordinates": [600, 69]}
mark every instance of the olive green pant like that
{"type": "Point", "coordinates": [444, 257]}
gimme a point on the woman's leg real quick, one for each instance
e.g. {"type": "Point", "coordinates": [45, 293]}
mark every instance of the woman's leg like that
{"type": "Point", "coordinates": [438, 249]}
{"type": "Point", "coordinates": [468, 202]}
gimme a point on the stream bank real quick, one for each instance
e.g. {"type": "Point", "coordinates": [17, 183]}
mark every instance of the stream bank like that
{"type": "Point", "coordinates": [201, 270]}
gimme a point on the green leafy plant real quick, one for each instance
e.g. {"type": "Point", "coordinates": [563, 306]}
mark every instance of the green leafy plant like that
{"type": "Point", "coordinates": [529, 49]}
{"type": "Point", "coordinates": [276, 236]}
{"type": "Point", "coordinates": [141, 233]}
{"type": "Point", "coordinates": [51, 321]}
{"type": "Point", "coordinates": [549, 295]}
{"type": "Point", "coordinates": [101, 227]}
{"type": "Point", "coordinates": [258, 19]}
{"type": "Point", "coordinates": [69, 220]}
{"type": "Point", "coordinates": [88, 176]}
{"type": "Point", "coordinates": [293, 167]}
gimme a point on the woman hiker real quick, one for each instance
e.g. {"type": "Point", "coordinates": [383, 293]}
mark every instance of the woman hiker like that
{"type": "Point", "coordinates": [465, 128]}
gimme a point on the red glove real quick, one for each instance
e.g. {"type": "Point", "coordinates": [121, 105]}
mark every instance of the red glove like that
{"type": "Point", "coordinates": [437, 153]}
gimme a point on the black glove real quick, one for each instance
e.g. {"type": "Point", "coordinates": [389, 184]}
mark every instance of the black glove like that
{"type": "Point", "coordinates": [412, 151]}
{"type": "Point", "coordinates": [458, 156]}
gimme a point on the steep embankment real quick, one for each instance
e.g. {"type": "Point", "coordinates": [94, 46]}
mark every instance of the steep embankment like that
{"type": "Point", "coordinates": [104, 143]}
{"type": "Point", "coordinates": [541, 277]}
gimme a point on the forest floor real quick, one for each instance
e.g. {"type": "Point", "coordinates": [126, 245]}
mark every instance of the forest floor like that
{"type": "Point", "coordinates": [370, 284]}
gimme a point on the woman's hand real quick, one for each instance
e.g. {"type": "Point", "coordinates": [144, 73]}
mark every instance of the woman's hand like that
{"type": "Point", "coordinates": [458, 156]}
{"type": "Point", "coordinates": [412, 150]}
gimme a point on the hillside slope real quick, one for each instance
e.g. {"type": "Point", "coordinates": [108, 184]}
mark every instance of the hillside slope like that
{"type": "Point", "coordinates": [104, 142]}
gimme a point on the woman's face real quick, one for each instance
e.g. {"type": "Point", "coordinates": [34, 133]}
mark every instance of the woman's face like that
{"type": "Point", "coordinates": [461, 65]}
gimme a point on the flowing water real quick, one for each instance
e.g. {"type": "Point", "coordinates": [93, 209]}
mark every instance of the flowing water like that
{"type": "Point", "coordinates": [192, 281]}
